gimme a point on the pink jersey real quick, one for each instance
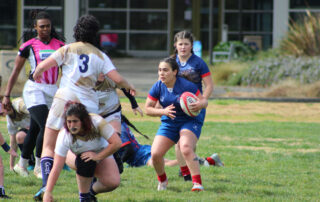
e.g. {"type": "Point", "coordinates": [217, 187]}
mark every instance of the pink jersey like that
{"type": "Point", "coordinates": [36, 51]}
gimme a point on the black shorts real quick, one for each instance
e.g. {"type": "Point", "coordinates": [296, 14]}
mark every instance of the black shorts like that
{"type": "Point", "coordinates": [85, 169]}
{"type": "Point", "coordinates": [23, 130]}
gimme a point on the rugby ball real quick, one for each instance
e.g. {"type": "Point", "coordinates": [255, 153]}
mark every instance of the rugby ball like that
{"type": "Point", "coordinates": [186, 99]}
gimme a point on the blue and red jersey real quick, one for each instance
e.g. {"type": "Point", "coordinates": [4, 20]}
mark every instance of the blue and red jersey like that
{"type": "Point", "coordinates": [194, 70]}
{"type": "Point", "coordinates": [166, 97]}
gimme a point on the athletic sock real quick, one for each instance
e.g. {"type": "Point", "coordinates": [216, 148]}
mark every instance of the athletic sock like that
{"type": "Point", "coordinates": [162, 177]}
{"type": "Point", "coordinates": [185, 173]}
{"type": "Point", "coordinates": [211, 161]}
{"type": "Point", "coordinates": [84, 197]}
{"type": "Point", "coordinates": [46, 166]}
{"type": "Point", "coordinates": [23, 162]}
{"type": "Point", "coordinates": [38, 162]}
{"type": "Point", "coordinates": [196, 179]}
{"type": "Point", "coordinates": [2, 192]}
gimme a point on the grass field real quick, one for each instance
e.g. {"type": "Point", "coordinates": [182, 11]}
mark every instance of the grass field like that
{"type": "Point", "coordinates": [270, 150]}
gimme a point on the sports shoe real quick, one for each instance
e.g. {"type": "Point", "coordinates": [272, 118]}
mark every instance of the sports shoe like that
{"type": "Point", "coordinates": [37, 172]}
{"type": "Point", "coordinates": [5, 196]}
{"type": "Point", "coordinates": [217, 160]}
{"type": "Point", "coordinates": [162, 185]}
{"type": "Point", "coordinates": [66, 167]}
{"type": "Point", "coordinates": [21, 171]}
{"type": "Point", "coordinates": [197, 187]}
{"type": "Point", "coordinates": [38, 196]}
{"type": "Point", "coordinates": [93, 198]}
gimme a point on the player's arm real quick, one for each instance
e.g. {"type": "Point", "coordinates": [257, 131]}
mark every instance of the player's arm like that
{"type": "Point", "coordinates": [6, 147]}
{"type": "Point", "coordinates": [44, 66]}
{"type": "Point", "coordinates": [14, 146]}
{"type": "Point", "coordinates": [58, 164]}
{"type": "Point", "coordinates": [121, 82]}
{"type": "Point", "coordinates": [134, 105]}
{"type": "Point", "coordinates": [18, 64]}
{"type": "Point", "coordinates": [151, 109]}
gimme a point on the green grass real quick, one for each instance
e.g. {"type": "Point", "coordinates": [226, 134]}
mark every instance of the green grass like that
{"type": "Point", "coordinates": [264, 161]}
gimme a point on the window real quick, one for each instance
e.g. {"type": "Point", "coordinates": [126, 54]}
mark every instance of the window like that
{"type": "Point", "coordinates": [8, 21]}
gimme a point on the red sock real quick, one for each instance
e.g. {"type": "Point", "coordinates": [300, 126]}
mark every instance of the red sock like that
{"type": "Point", "coordinates": [162, 177]}
{"type": "Point", "coordinates": [210, 161]}
{"type": "Point", "coordinates": [185, 170]}
{"type": "Point", "coordinates": [196, 179]}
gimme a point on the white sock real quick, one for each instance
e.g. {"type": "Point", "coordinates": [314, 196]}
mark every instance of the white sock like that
{"type": "Point", "coordinates": [23, 162]}
{"type": "Point", "coordinates": [38, 161]}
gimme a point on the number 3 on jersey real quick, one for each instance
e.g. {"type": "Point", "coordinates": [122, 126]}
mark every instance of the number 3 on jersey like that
{"type": "Point", "coordinates": [85, 60]}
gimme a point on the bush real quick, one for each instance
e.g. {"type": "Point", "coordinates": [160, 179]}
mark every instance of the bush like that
{"type": "Point", "coordinates": [272, 70]}
{"type": "Point", "coordinates": [303, 39]}
{"type": "Point", "coordinates": [241, 51]}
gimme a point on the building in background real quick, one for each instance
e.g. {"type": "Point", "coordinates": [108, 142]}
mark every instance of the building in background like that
{"type": "Point", "coordinates": [146, 27]}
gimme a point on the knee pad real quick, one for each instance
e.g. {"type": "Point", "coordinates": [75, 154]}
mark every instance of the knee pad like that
{"type": "Point", "coordinates": [85, 169]}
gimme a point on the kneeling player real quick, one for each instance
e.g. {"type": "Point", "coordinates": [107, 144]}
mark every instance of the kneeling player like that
{"type": "Point", "coordinates": [91, 141]}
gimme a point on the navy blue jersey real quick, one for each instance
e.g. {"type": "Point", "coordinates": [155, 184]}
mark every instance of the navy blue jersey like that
{"type": "Point", "coordinates": [194, 70]}
{"type": "Point", "coordinates": [159, 91]}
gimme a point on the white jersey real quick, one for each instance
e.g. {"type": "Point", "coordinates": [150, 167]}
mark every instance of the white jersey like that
{"type": "Point", "coordinates": [64, 141]}
{"type": "Point", "coordinates": [20, 118]}
{"type": "Point", "coordinates": [108, 97]}
{"type": "Point", "coordinates": [81, 65]}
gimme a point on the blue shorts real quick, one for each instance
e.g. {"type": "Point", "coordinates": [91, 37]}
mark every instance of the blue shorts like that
{"type": "Point", "coordinates": [142, 156]}
{"type": "Point", "coordinates": [171, 129]}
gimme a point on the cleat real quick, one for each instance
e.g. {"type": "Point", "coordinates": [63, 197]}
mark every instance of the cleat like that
{"type": "Point", "coordinates": [162, 185]}
{"type": "Point", "coordinates": [5, 196]}
{"type": "Point", "coordinates": [66, 168]}
{"type": "Point", "coordinates": [217, 160]}
{"type": "Point", "coordinates": [197, 187]}
{"type": "Point", "coordinates": [38, 196]}
{"type": "Point", "coordinates": [202, 161]}
{"type": "Point", "coordinates": [187, 178]}
{"type": "Point", "coordinates": [21, 171]}
{"type": "Point", "coordinates": [37, 172]}
{"type": "Point", "coordinates": [93, 198]}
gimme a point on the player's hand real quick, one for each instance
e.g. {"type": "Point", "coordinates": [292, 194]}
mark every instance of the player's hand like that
{"type": "Point", "coordinates": [6, 104]}
{"type": "Point", "coordinates": [132, 90]}
{"type": "Point", "coordinates": [101, 77]}
{"type": "Point", "coordinates": [89, 155]}
{"type": "Point", "coordinates": [36, 75]}
{"type": "Point", "coordinates": [138, 110]}
{"type": "Point", "coordinates": [47, 197]}
{"type": "Point", "coordinates": [169, 111]}
{"type": "Point", "coordinates": [12, 153]}
{"type": "Point", "coordinates": [199, 104]}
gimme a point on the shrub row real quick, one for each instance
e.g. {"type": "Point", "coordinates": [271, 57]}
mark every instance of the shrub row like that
{"type": "Point", "coordinates": [272, 70]}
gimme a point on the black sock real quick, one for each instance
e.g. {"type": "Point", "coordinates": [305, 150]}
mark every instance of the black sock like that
{"type": "Point", "coordinates": [84, 197]}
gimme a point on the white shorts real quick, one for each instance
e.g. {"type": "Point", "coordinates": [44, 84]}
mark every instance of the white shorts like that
{"type": "Point", "coordinates": [56, 117]}
{"type": "Point", "coordinates": [113, 117]}
{"type": "Point", "coordinates": [35, 94]}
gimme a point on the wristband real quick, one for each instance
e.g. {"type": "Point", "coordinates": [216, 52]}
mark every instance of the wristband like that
{"type": "Point", "coordinates": [5, 147]}
{"type": "Point", "coordinates": [7, 96]}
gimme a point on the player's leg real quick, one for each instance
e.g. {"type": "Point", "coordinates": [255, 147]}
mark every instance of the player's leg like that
{"type": "Point", "coordinates": [107, 174]}
{"type": "Point", "coordinates": [188, 141]}
{"type": "Point", "coordinates": [27, 149]}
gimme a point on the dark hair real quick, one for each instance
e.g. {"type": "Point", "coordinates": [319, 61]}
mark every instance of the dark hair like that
{"type": "Point", "coordinates": [172, 62]}
{"type": "Point", "coordinates": [35, 16]}
{"type": "Point", "coordinates": [79, 110]}
{"type": "Point", "coordinates": [182, 35]}
{"type": "Point", "coordinates": [126, 120]}
{"type": "Point", "coordinates": [86, 30]}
